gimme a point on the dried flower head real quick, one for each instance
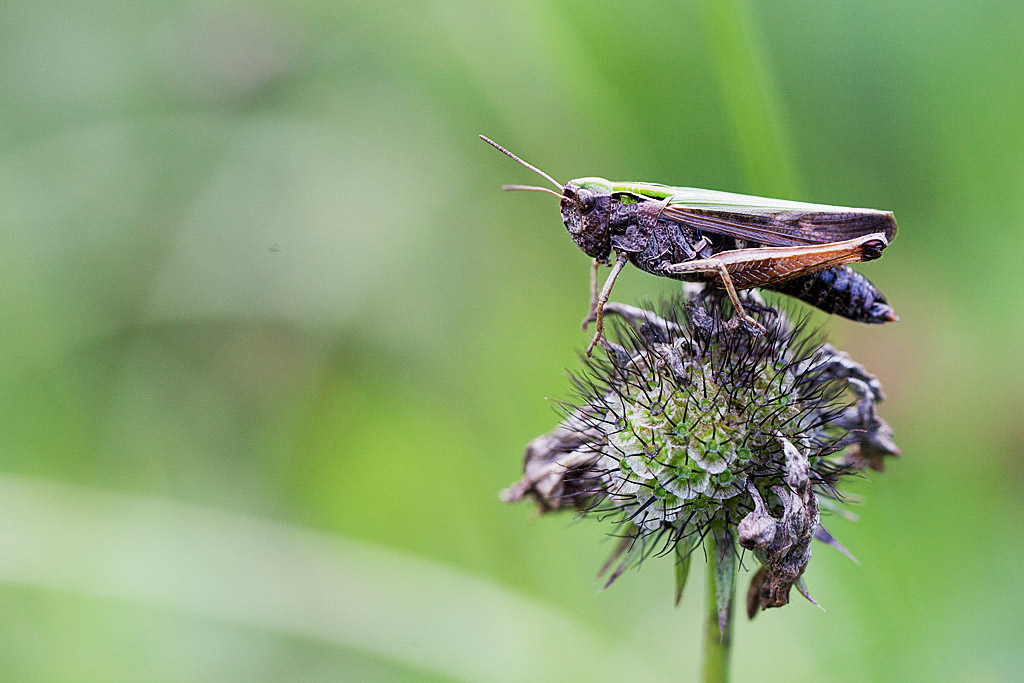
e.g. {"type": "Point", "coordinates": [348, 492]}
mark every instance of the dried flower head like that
{"type": "Point", "coordinates": [689, 428]}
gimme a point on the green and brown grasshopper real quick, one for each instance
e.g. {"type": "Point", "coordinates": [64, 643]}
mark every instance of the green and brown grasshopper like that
{"type": "Point", "coordinates": [734, 241]}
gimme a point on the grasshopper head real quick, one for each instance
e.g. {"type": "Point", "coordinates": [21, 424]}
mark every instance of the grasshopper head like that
{"type": "Point", "coordinates": [586, 208]}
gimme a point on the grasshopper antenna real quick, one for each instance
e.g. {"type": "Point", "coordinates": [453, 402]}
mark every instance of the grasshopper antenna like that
{"type": "Point", "coordinates": [533, 168]}
{"type": "Point", "coordinates": [533, 188]}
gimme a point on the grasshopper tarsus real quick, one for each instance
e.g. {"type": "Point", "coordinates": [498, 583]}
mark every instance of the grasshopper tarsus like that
{"type": "Point", "coordinates": [597, 317]}
{"type": "Point", "coordinates": [598, 339]}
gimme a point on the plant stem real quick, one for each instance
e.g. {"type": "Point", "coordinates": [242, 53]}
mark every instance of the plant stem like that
{"type": "Point", "coordinates": [717, 644]}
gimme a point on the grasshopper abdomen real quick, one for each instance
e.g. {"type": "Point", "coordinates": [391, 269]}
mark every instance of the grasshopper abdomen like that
{"type": "Point", "coordinates": [841, 291]}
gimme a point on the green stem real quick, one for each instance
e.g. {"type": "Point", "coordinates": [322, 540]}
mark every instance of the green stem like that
{"type": "Point", "coordinates": [717, 644]}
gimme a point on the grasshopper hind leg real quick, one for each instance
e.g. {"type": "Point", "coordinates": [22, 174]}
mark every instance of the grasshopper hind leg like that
{"type": "Point", "coordinates": [773, 266]}
{"type": "Point", "coordinates": [718, 268]}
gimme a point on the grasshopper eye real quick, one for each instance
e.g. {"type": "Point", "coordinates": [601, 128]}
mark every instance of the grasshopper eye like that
{"type": "Point", "coordinates": [586, 201]}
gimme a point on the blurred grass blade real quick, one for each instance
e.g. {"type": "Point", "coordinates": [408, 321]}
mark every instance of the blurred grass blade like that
{"type": "Point", "coordinates": [288, 580]}
{"type": "Point", "coordinates": [750, 99]}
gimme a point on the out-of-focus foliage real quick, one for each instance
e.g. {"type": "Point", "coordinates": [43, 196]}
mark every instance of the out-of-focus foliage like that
{"type": "Point", "coordinates": [271, 330]}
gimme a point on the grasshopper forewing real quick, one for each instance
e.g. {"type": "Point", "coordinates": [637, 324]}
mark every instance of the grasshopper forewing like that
{"type": "Point", "coordinates": [773, 222]}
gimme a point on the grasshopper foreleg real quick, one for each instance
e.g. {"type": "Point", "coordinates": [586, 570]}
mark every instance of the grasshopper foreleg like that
{"type": "Point", "coordinates": [593, 291]}
{"type": "Point", "coordinates": [598, 300]}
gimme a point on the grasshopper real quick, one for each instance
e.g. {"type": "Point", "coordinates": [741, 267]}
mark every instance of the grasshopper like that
{"type": "Point", "coordinates": [732, 241]}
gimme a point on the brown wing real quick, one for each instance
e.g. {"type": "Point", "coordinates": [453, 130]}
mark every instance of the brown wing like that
{"type": "Point", "coordinates": [784, 227]}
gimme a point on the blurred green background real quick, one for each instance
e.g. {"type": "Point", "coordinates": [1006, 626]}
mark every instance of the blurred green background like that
{"type": "Point", "coordinates": [273, 339]}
